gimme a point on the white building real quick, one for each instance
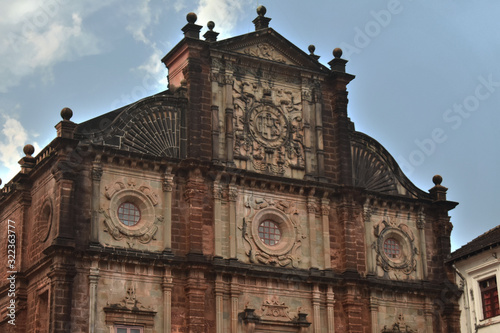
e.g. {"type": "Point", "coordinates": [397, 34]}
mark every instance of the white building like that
{"type": "Point", "coordinates": [478, 272]}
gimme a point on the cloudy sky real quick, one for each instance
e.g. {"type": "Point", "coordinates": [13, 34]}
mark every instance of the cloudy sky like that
{"type": "Point", "coordinates": [427, 75]}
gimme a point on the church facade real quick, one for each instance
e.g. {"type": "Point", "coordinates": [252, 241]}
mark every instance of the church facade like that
{"type": "Point", "coordinates": [241, 199]}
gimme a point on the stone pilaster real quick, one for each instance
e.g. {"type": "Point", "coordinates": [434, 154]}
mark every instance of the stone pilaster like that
{"type": "Point", "coordinates": [325, 212]}
{"type": "Point", "coordinates": [167, 286]}
{"type": "Point", "coordinates": [93, 285]}
{"type": "Point", "coordinates": [96, 197]}
{"type": "Point", "coordinates": [167, 187]}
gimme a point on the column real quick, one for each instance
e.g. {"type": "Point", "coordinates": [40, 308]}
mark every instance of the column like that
{"type": "Point", "coordinates": [235, 294]}
{"type": "Point", "coordinates": [330, 301]}
{"type": "Point", "coordinates": [219, 304]}
{"type": "Point", "coordinates": [307, 112]}
{"type": "Point", "coordinates": [96, 194]}
{"type": "Point", "coordinates": [311, 217]}
{"type": "Point", "coordinates": [316, 309]}
{"type": "Point", "coordinates": [167, 286]}
{"type": "Point", "coordinates": [423, 248]}
{"type": "Point", "coordinates": [233, 195]}
{"type": "Point", "coordinates": [215, 133]}
{"type": "Point", "coordinates": [217, 192]}
{"type": "Point", "coordinates": [325, 212]}
{"type": "Point", "coordinates": [374, 315]}
{"type": "Point", "coordinates": [167, 187]}
{"type": "Point", "coordinates": [93, 281]}
{"type": "Point", "coordinates": [320, 149]}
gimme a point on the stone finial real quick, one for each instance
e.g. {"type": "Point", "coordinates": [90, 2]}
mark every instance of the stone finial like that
{"type": "Point", "coordinates": [191, 17]}
{"type": "Point", "coordinates": [437, 180]}
{"type": "Point", "coordinates": [28, 150]}
{"type": "Point", "coordinates": [191, 30]}
{"type": "Point", "coordinates": [261, 22]}
{"type": "Point", "coordinates": [438, 192]}
{"type": "Point", "coordinates": [66, 127]}
{"type": "Point", "coordinates": [311, 49]}
{"type": "Point", "coordinates": [66, 113]}
{"type": "Point", "coordinates": [27, 162]}
{"type": "Point", "coordinates": [261, 10]}
{"type": "Point", "coordinates": [211, 35]}
{"type": "Point", "coordinates": [337, 52]}
{"type": "Point", "coordinates": [0, 181]}
{"type": "Point", "coordinates": [337, 64]}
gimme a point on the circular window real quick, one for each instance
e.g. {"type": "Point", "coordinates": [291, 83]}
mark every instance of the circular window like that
{"type": "Point", "coordinates": [392, 248]}
{"type": "Point", "coordinates": [269, 232]}
{"type": "Point", "coordinates": [129, 214]}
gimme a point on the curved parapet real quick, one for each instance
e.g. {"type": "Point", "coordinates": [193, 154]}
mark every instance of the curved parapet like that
{"type": "Point", "coordinates": [154, 125]}
{"type": "Point", "coordinates": [376, 170]}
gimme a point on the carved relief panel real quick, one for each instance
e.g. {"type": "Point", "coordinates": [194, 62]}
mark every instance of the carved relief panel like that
{"type": "Point", "coordinates": [395, 248]}
{"type": "Point", "coordinates": [272, 232]}
{"type": "Point", "coordinates": [129, 213]}
{"type": "Point", "coordinates": [268, 127]}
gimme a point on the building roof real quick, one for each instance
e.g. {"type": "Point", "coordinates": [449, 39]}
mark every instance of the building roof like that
{"type": "Point", "coordinates": [486, 241]}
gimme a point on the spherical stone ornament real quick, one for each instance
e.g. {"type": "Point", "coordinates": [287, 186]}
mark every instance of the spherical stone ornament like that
{"type": "Point", "coordinates": [29, 150]}
{"type": "Point", "coordinates": [261, 10]}
{"type": "Point", "coordinates": [191, 17]}
{"type": "Point", "coordinates": [311, 48]}
{"type": "Point", "coordinates": [437, 180]}
{"type": "Point", "coordinates": [337, 52]}
{"type": "Point", "coordinates": [211, 25]}
{"type": "Point", "coordinates": [0, 181]}
{"type": "Point", "coordinates": [66, 113]}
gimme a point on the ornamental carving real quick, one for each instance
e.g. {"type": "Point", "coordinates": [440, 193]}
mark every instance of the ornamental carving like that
{"type": "Point", "coordinates": [399, 326]}
{"type": "Point", "coordinates": [130, 301]}
{"type": "Point", "coordinates": [144, 198]}
{"type": "Point", "coordinates": [284, 215]}
{"type": "Point", "coordinates": [265, 51]}
{"type": "Point", "coordinates": [395, 247]}
{"type": "Point", "coordinates": [268, 134]}
{"type": "Point", "coordinates": [275, 309]}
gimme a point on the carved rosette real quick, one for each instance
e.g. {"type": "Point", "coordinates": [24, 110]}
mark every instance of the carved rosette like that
{"type": "Point", "coordinates": [268, 134]}
{"type": "Point", "coordinates": [401, 234]}
{"type": "Point", "coordinates": [142, 197]}
{"type": "Point", "coordinates": [287, 252]}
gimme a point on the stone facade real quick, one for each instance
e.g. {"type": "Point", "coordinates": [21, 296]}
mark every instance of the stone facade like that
{"type": "Point", "coordinates": [239, 200]}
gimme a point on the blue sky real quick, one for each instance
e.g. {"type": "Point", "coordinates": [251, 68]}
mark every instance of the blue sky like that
{"type": "Point", "coordinates": [427, 75]}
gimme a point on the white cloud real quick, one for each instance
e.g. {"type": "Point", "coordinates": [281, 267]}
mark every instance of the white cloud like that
{"type": "Point", "coordinates": [38, 35]}
{"type": "Point", "coordinates": [225, 14]}
{"type": "Point", "coordinates": [13, 137]}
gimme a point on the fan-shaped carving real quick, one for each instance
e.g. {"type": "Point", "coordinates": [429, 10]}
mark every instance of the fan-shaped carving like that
{"type": "Point", "coordinates": [155, 133]}
{"type": "Point", "coordinates": [371, 172]}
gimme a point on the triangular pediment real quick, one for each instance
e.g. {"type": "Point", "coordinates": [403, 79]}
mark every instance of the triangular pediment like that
{"type": "Point", "coordinates": [270, 46]}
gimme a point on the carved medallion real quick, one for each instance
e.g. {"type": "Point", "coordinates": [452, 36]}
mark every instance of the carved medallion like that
{"type": "Point", "coordinates": [395, 247]}
{"type": "Point", "coordinates": [272, 232]}
{"type": "Point", "coordinates": [268, 126]}
{"type": "Point", "coordinates": [143, 200]}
